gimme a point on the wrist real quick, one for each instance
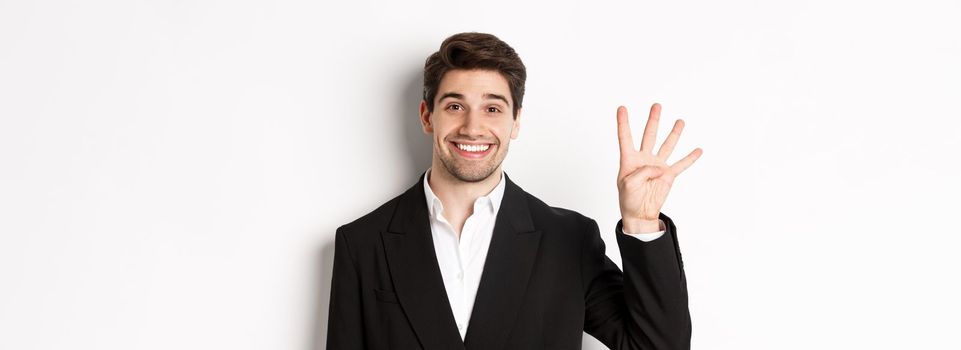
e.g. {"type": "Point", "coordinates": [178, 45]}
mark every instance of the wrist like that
{"type": "Point", "coordinates": [633, 225]}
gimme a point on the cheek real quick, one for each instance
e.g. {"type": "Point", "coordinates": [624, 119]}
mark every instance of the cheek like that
{"type": "Point", "coordinates": [440, 137]}
{"type": "Point", "coordinates": [508, 132]}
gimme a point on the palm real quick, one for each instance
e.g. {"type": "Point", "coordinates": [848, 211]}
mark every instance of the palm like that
{"type": "Point", "coordinates": [645, 178]}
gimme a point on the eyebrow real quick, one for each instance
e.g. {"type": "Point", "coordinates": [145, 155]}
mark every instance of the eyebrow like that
{"type": "Point", "coordinates": [486, 96]}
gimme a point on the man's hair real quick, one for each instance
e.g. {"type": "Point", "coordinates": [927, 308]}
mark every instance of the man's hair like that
{"type": "Point", "coordinates": [475, 51]}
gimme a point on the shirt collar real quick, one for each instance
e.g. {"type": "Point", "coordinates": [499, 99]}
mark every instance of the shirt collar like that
{"type": "Point", "coordinates": [491, 201]}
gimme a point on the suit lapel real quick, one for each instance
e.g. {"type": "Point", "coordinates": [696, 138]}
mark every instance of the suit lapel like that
{"type": "Point", "coordinates": [507, 271]}
{"type": "Point", "coordinates": [420, 288]}
{"type": "Point", "coordinates": [416, 276]}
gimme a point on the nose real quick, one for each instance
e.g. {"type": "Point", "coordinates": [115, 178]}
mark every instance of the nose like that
{"type": "Point", "coordinates": [473, 125]}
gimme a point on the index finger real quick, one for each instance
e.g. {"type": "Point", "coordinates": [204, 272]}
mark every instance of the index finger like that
{"type": "Point", "coordinates": [624, 132]}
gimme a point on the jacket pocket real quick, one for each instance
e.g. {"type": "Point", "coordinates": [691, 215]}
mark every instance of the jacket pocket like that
{"type": "Point", "coordinates": [385, 296]}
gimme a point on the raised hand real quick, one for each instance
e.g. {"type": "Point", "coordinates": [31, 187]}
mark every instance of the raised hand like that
{"type": "Point", "coordinates": [644, 178]}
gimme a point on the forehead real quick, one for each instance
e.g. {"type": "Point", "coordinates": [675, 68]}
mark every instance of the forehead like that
{"type": "Point", "coordinates": [474, 83]}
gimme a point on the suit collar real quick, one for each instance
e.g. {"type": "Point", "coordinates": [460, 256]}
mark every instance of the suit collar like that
{"type": "Point", "coordinates": [420, 288]}
{"type": "Point", "coordinates": [412, 206]}
{"type": "Point", "coordinates": [491, 201]}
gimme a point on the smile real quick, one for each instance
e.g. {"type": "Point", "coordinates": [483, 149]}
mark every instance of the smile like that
{"type": "Point", "coordinates": [473, 151]}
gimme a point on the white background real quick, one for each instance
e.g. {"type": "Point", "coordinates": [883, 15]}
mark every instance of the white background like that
{"type": "Point", "coordinates": [172, 173]}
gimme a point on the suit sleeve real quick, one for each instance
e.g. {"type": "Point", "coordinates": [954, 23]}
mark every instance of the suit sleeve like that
{"type": "Point", "coordinates": [646, 306]}
{"type": "Point", "coordinates": [650, 236]}
{"type": "Point", "coordinates": [344, 323]}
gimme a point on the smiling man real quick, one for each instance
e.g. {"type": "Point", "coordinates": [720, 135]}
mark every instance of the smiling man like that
{"type": "Point", "coordinates": [466, 259]}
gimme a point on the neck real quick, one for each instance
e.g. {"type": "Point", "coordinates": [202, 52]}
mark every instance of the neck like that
{"type": "Point", "coordinates": [457, 194]}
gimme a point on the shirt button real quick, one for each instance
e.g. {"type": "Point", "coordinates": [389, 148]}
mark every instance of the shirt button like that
{"type": "Point", "coordinates": [460, 275]}
{"type": "Point", "coordinates": [460, 326]}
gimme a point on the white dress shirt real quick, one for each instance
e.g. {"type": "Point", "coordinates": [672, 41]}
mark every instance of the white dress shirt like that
{"type": "Point", "coordinates": [461, 261]}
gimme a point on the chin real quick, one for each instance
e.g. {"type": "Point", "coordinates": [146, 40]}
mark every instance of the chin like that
{"type": "Point", "coordinates": [472, 173]}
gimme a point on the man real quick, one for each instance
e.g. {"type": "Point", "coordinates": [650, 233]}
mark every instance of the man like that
{"type": "Point", "coordinates": [466, 259]}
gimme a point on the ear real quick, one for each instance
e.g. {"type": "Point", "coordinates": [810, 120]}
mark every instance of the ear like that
{"type": "Point", "coordinates": [517, 124]}
{"type": "Point", "coordinates": [425, 118]}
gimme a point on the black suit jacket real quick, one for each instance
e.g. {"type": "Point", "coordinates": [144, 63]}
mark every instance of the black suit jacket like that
{"type": "Point", "coordinates": [546, 280]}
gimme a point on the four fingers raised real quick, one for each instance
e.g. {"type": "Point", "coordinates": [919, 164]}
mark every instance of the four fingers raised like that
{"type": "Point", "coordinates": [626, 141]}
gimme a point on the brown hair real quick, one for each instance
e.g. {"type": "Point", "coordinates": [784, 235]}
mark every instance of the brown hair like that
{"type": "Point", "coordinates": [475, 51]}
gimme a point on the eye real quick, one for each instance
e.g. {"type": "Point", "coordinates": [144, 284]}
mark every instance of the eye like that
{"type": "Point", "coordinates": [455, 107]}
{"type": "Point", "coordinates": [493, 110]}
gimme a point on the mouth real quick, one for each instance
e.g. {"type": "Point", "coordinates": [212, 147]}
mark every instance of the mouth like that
{"type": "Point", "coordinates": [471, 150]}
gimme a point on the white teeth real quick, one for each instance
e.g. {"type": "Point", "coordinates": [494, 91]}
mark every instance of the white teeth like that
{"type": "Point", "coordinates": [473, 148]}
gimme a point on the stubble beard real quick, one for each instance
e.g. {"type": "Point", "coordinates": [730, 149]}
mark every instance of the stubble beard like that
{"type": "Point", "coordinates": [472, 171]}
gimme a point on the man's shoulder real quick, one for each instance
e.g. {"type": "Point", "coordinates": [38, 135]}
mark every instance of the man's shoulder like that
{"type": "Point", "coordinates": [374, 221]}
{"type": "Point", "coordinates": [543, 213]}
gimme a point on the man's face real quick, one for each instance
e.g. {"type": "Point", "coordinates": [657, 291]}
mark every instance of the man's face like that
{"type": "Point", "coordinates": [472, 123]}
